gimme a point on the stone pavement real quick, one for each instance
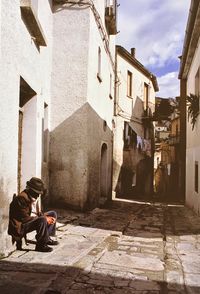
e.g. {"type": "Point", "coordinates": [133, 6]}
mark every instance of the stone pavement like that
{"type": "Point", "coordinates": [125, 248]}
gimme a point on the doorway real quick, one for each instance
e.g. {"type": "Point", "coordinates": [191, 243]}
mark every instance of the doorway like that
{"type": "Point", "coordinates": [104, 174]}
{"type": "Point", "coordinates": [26, 133]}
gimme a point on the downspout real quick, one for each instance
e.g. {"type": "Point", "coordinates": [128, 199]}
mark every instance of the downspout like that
{"type": "Point", "coordinates": [116, 85]}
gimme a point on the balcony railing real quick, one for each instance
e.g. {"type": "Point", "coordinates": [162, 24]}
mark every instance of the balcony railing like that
{"type": "Point", "coordinates": [111, 17]}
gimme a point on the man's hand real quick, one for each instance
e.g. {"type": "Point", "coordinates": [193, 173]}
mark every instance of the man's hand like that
{"type": "Point", "coordinates": [50, 220]}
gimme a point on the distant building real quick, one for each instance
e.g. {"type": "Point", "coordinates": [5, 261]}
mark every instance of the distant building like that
{"type": "Point", "coordinates": [189, 76]}
{"type": "Point", "coordinates": [167, 164]}
{"type": "Point", "coordinates": [134, 131]}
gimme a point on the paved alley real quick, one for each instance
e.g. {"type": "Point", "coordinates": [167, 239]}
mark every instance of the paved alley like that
{"type": "Point", "coordinates": [125, 248]}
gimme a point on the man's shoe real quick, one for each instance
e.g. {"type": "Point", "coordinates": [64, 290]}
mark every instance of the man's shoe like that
{"type": "Point", "coordinates": [52, 242]}
{"type": "Point", "coordinates": [19, 245]}
{"type": "Point", "coordinates": [43, 248]}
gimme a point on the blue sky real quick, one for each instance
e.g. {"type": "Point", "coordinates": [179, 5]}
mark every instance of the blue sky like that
{"type": "Point", "coordinates": [156, 28]}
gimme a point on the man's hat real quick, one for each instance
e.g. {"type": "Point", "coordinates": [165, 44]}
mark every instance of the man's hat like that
{"type": "Point", "coordinates": [36, 185]}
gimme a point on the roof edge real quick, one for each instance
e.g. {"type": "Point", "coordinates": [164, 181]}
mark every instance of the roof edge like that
{"type": "Point", "coordinates": [189, 40]}
{"type": "Point", "coordinates": [124, 53]}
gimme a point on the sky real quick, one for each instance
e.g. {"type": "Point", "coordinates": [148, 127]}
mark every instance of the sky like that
{"type": "Point", "coordinates": [156, 28]}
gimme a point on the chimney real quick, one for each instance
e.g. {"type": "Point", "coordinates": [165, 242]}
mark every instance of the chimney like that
{"type": "Point", "coordinates": [133, 52]}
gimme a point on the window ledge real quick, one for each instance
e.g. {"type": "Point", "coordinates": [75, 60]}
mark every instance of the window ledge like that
{"type": "Point", "coordinates": [130, 97]}
{"type": "Point", "coordinates": [99, 78]}
{"type": "Point", "coordinates": [32, 22]}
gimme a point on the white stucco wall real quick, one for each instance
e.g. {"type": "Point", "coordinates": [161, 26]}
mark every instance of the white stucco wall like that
{"type": "Point", "coordinates": [62, 76]}
{"type": "Point", "coordinates": [193, 142]}
{"type": "Point", "coordinates": [129, 109]}
{"type": "Point", "coordinates": [138, 80]}
{"type": "Point", "coordinates": [98, 92]}
{"type": "Point", "coordinates": [9, 119]}
{"type": "Point", "coordinates": [20, 58]}
{"type": "Point", "coordinates": [100, 97]}
{"type": "Point", "coordinates": [68, 156]}
{"type": "Point", "coordinates": [35, 68]}
{"type": "Point", "coordinates": [80, 104]}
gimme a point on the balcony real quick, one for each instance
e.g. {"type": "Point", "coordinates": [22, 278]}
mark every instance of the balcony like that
{"type": "Point", "coordinates": [147, 117]}
{"type": "Point", "coordinates": [174, 139]}
{"type": "Point", "coordinates": [110, 17]}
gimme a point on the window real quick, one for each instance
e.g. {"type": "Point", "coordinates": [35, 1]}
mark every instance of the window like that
{"type": "Point", "coordinates": [99, 65]}
{"type": "Point", "coordinates": [31, 21]}
{"type": "Point", "coordinates": [146, 96]}
{"type": "Point", "coordinates": [196, 177]}
{"type": "Point", "coordinates": [111, 84]}
{"type": "Point", "coordinates": [129, 83]}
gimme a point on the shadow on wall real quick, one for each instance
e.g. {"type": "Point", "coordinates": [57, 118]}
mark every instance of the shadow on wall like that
{"type": "Point", "coordinates": [167, 184]}
{"type": "Point", "coordinates": [137, 183]}
{"type": "Point", "coordinates": [134, 178]}
{"type": "Point", "coordinates": [75, 160]}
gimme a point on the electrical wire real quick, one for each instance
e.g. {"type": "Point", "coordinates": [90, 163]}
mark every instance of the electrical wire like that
{"type": "Point", "coordinates": [102, 31]}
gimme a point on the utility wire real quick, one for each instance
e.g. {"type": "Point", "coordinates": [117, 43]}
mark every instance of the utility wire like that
{"type": "Point", "coordinates": [99, 22]}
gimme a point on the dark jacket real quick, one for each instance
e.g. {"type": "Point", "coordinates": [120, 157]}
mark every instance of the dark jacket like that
{"type": "Point", "coordinates": [19, 213]}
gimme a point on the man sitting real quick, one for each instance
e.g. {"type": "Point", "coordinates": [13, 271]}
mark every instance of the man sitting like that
{"type": "Point", "coordinates": [25, 216]}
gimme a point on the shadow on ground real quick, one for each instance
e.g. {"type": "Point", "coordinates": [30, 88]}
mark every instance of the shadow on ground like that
{"type": "Point", "coordinates": [23, 278]}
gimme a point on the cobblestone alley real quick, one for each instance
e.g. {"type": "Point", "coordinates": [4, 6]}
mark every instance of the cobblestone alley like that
{"type": "Point", "coordinates": [125, 248]}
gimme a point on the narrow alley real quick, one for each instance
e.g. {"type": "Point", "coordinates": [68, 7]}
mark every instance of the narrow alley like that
{"type": "Point", "coordinates": [127, 247]}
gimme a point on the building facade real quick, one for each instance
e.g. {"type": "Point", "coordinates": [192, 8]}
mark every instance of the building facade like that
{"type": "Point", "coordinates": [82, 102]}
{"type": "Point", "coordinates": [190, 85]}
{"type": "Point", "coordinates": [25, 62]}
{"type": "Point", "coordinates": [134, 130]}
{"type": "Point", "coordinates": [57, 89]}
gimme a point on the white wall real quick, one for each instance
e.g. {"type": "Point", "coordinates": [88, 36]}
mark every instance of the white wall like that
{"type": "Point", "coordinates": [80, 104]}
{"type": "Point", "coordinates": [68, 155]}
{"type": "Point", "coordinates": [19, 57]}
{"type": "Point", "coordinates": [9, 89]}
{"type": "Point", "coordinates": [129, 109]}
{"type": "Point", "coordinates": [193, 142]}
{"type": "Point", "coordinates": [29, 139]}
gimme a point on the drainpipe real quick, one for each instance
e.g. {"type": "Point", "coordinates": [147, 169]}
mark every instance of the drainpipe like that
{"type": "Point", "coordinates": [116, 84]}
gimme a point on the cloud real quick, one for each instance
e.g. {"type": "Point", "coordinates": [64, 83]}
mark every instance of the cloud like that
{"type": "Point", "coordinates": [168, 85]}
{"type": "Point", "coordinates": [155, 28]}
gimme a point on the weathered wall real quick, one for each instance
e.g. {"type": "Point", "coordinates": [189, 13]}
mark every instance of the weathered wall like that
{"type": "Point", "coordinates": [192, 142]}
{"type": "Point", "coordinates": [100, 96]}
{"type": "Point", "coordinates": [20, 58]}
{"type": "Point", "coordinates": [68, 145]}
{"type": "Point", "coordinates": [9, 116]}
{"type": "Point", "coordinates": [79, 109]}
{"type": "Point", "coordinates": [129, 109]}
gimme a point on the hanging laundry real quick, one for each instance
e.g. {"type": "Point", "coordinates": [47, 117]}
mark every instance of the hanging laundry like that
{"type": "Point", "coordinates": [139, 143]}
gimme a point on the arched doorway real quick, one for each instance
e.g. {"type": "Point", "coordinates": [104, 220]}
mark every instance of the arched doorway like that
{"type": "Point", "coordinates": [104, 174]}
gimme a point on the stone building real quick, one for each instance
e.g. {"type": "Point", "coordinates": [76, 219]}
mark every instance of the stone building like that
{"type": "Point", "coordinates": [134, 130]}
{"type": "Point", "coordinates": [56, 106]}
{"type": "Point", "coordinates": [189, 76]}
